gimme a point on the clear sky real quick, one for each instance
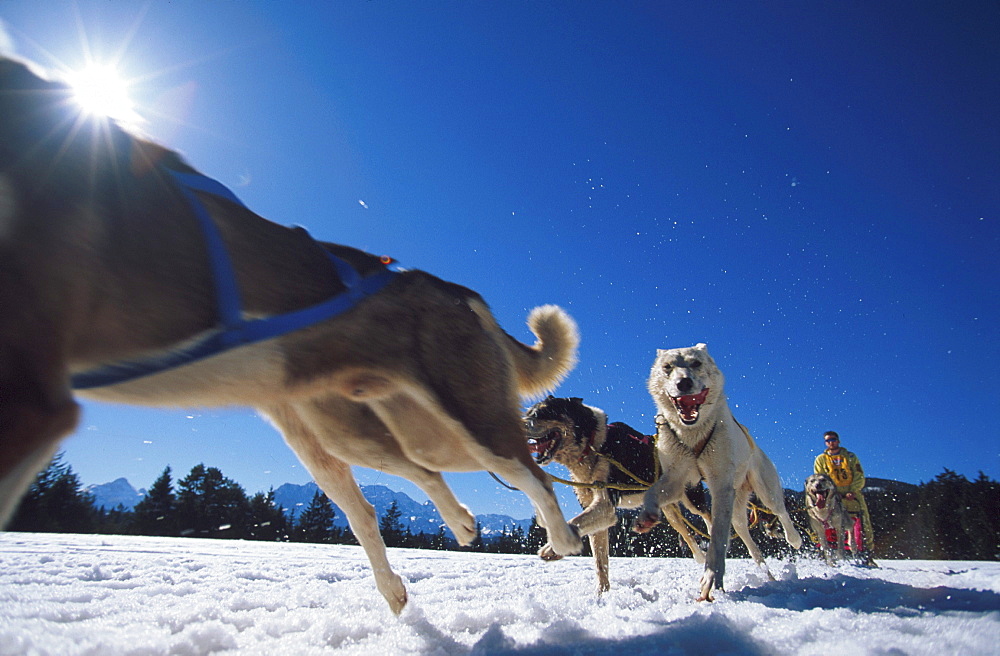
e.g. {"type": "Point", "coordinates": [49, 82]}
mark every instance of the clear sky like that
{"type": "Point", "coordinates": [811, 189]}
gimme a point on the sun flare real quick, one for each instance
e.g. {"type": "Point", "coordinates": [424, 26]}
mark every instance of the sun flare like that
{"type": "Point", "coordinates": [101, 92]}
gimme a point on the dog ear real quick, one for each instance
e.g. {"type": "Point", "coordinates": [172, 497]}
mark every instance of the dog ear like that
{"type": "Point", "coordinates": [576, 399]}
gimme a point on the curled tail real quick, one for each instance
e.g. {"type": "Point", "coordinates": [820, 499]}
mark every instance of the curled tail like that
{"type": "Point", "coordinates": [541, 367]}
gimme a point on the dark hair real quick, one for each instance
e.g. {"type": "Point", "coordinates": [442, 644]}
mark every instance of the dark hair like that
{"type": "Point", "coordinates": [831, 434]}
{"type": "Point", "coordinates": [560, 409]}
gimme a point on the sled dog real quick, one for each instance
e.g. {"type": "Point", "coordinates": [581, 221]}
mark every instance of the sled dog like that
{"type": "Point", "coordinates": [104, 258]}
{"type": "Point", "coordinates": [826, 510]}
{"type": "Point", "coordinates": [699, 439]}
{"type": "Point", "coordinates": [616, 457]}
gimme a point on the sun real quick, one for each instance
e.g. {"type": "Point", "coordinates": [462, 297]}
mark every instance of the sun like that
{"type": "Point", "coordinates": [101, 92]}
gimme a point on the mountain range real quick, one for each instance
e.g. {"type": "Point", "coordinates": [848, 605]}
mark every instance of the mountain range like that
{"type": "Point", "coordinates": [418, 517]}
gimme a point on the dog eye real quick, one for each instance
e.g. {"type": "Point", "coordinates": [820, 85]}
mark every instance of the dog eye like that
{"type": "Point", "coordinates": [696, 364]}
{"type": "Point", "coordinates": [668, 367]}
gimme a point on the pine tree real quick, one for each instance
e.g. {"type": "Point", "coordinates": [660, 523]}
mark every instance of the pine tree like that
{"type": "Point", "coordinates": [441, 541]}
{"type": "Point", "coordinates": [945, 499]}
{"type": "Point", "coordinates": [982, 521]}
{"type": "Point", "coordinates": [55, 503]}
{"type": "Point", "coordinates": [315, 524]}
{"type": "Point", "coordinates": [211, 505]}
{"type": "Point", "coordinates": [117, 521]}
{"type": "Point", "coordinates": [421, 540]}
{"type": "Point", "coordinates": [536, 537]}
{"type": "Point", "coordinates": [509, 542]}
{"type": "Point", "coordinates": [156, 513]}
{"type": "Point", "coordinates": [267, 520]}
{"type": "Point", "coordinates": [391, 527]}
{"type": "Point", "coordinates": [478, 543]}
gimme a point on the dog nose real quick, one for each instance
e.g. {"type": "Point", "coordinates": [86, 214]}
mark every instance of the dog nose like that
{"type": "Point", "coordinates": [685, 384]}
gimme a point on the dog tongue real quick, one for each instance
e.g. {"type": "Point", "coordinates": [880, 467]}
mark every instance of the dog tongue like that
{"type": "Point", "coordinates": [535, 446]}
{"type": "Point", "coordinates": [821, 501]}
{"type": "Point", "coordinates": [690, 401]}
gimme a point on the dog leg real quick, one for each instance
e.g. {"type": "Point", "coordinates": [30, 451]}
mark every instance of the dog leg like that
{"type": "Point", "coordinates": [743, 530]}
{"type": "Point", "coordinates": [713, 578]}
{"type": "Point", "coordinates": [672, 513]}
{"type": "Point", "coordinates": [820, 531]}
{"type": "Point", "coordinates": [530, 479]}
{"type": "Point", "coordinates": [600, 544]}
{"type": "Point", "coordinates": [335, 479]}
{"type": "Point", "coordinates": [598, 516]}
{"type": "Point", "coordinates": [382, 451]}
{"type": "Point", "coordinates": [666, 490]}
{"type": "Point", "coordinates": [456, 515]}
{"type": "Point", "coordinates": [839, 529]}
{"type": "Point", "coordinates": [767, 486]}
{"type": "Point", "coordinates": [428, 435]}
{"type": "Point", "coordinates": [34, 417]}
{"type": "Point", "coordinates": [339, 484]}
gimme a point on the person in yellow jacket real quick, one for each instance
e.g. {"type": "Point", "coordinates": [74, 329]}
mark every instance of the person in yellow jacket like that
{"type": "Point", "coordinates": [845, 469]}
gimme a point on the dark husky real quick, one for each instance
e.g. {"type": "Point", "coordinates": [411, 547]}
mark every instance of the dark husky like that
{"type": "Point", "coordinates": [105, 257]}
{"type": "Point", "coordinates": [579, 437]}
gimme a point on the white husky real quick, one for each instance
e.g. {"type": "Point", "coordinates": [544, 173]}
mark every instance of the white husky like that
{"type": "Point", "coordinates": [698, 439]}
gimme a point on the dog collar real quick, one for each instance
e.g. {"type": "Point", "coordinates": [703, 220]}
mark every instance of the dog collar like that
{"type": "Point", "coordinates": [233, 330]}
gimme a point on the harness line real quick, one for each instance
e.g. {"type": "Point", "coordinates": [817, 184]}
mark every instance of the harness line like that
{"type": "Point", "coordinates": [233, 330]}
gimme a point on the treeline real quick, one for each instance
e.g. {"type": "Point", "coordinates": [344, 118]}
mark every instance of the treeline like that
{"type": "Point", "coordinates": [205, 503]}
{"type": "Point", "coordinates": [948, 518]}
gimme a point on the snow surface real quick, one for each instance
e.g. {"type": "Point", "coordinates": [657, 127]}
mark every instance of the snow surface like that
{"type": "Point", "coordinates": [90, 594]}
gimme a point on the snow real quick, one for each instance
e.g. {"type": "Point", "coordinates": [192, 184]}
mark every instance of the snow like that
{"type": "Point", "coordinates": [143, 596]}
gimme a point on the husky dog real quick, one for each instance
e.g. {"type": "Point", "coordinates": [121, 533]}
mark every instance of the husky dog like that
{"type": "Point", "coordinates": [699, 439]}
{"type": "Point", "coordinates": [826, 511]}
{"type": "Point", "coordinates": [106, 257]}
{"type": "Point", "coordinates": [612, 463]}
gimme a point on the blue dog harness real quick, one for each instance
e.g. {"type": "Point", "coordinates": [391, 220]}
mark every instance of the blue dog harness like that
{"type": "Point", "coordinates": [233, 330]}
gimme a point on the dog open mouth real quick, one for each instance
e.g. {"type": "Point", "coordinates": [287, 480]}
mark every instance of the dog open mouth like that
{"type": "Point", "coordinates": [543, 448]}
{"type": "Point", "coordinates": [689, 405]}
{"type": "Point", "coordinates": [820, 499]}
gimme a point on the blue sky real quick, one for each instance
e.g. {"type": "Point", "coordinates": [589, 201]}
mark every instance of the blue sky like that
{"type": "Point", "coordinates": [809, 188]}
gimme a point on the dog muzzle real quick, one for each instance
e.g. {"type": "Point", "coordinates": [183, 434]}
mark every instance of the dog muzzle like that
{"type": "Point", "coordinates": [543, 447]}
{"type": "Point", "coordinates": [689, 406]}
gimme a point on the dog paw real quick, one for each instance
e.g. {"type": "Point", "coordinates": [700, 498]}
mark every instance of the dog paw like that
{"type": "Point", "coordinates": [463, 525]}
{"type": "Point", "coordinates": [548, 554]}
{"type": "Point", "coordinates": [565, 541]}
{"type": "Point", "coordinates": [394, 591]}
{"type": "Point", "coordinates": [709, 581]}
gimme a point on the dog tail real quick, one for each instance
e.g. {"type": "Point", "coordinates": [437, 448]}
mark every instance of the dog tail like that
{"type": "Point", "coordinates": [541, 367]}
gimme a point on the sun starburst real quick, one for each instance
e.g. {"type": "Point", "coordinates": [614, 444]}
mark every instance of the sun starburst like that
{"type": "Point", "coordinates": [100, 91]}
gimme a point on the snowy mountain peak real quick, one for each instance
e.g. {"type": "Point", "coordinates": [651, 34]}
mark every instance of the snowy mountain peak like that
{"type": "Point", "coordinates": [118, 492]}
